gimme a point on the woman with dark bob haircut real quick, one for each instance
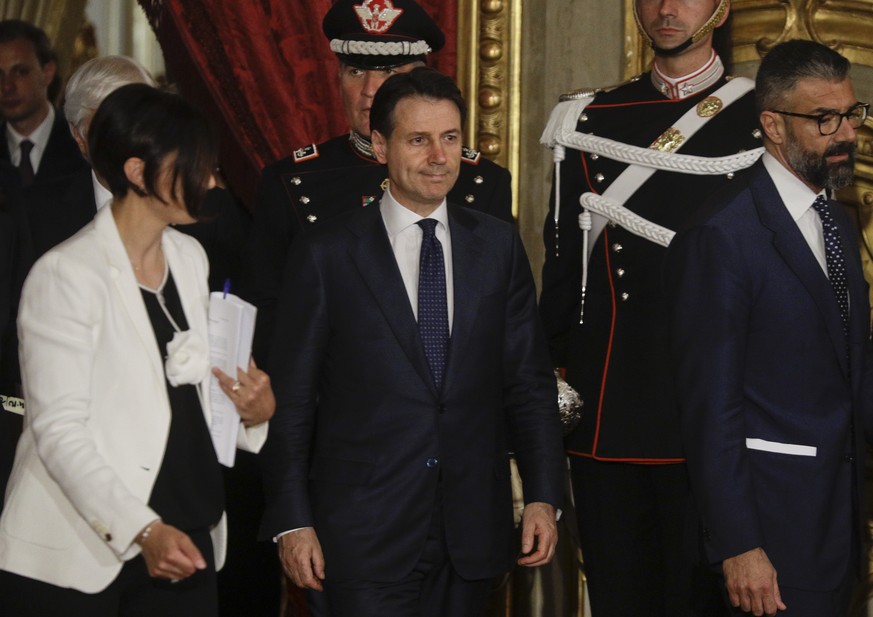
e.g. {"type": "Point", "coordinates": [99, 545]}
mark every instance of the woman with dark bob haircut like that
{"type": "Point", "coordinates": [115, 503]}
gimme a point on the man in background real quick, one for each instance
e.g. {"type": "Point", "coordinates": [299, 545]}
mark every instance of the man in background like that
{"type": "Point", "coordinates": [223, 225]}
{"type": "Point", "coordinates": [603, 306]}
{"type": "Point", "coordinates": [37, 140]}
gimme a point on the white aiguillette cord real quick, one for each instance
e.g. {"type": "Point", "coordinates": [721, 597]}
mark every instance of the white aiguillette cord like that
{"type": "Point", "coordinates": [643, 162]}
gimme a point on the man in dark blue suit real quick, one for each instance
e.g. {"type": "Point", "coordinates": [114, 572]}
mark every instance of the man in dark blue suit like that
{"type": "Point", "coordinates": [37, 140]}
{"type": "Point", "coordinates": [769, 323]}
{"type": "Point", "coordinates": [387, 466]}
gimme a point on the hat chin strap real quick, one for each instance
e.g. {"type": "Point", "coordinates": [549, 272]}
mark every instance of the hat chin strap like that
{"type": "Point", "coordinates": [704, 30]}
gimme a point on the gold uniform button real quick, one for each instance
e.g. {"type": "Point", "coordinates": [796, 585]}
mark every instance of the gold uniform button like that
{"type": "Point", "coordinates": [625, 296]}
{"type": "Point", "coordinates": [600, 177]}
{"type": "Point", "coordinates": [311, 218]}
{"type": "Point", "coordinates": [617, 248]}
{"type": "Point", "coordinates": [478, 179]}
{"type": "Point", "coordinates": [583, 117]}
{"type": "Point", "coordinates": [296, 180]}
{"type": "Point", "coordinates": [594, 157]}
{"type": "Point", "coordinates": [470, 199]}
{"type": "Point", "coordinates": [620, 272]}
{"type": "Point", "coordinates": [304, 200]}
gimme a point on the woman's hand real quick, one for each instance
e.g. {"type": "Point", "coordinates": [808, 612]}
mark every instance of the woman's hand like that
{"type": "Point", "coordinates": [251, 393]}
{"type": "Point", "coordinates": [169, 553]}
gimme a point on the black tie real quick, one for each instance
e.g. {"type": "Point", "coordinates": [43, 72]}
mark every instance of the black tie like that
{"type": "Point", "coordinates": [835, 259]}
{"type": "Point", "coordinates": [433, 314]}
{"type": "Point", "coordinates": [25, 167]}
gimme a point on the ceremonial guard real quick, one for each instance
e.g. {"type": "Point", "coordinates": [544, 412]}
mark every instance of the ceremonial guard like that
{"type": "Point", "coordinates": [319, 182]}
{"type": "Point", "coordinates": [641, 157]}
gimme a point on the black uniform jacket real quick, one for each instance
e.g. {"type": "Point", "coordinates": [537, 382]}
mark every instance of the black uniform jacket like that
{"type": "Point", "coordinates": [618, 358]}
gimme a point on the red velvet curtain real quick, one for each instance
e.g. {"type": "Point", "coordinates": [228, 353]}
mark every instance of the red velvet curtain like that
{"type": "Point", "coordinates": [263, 70]}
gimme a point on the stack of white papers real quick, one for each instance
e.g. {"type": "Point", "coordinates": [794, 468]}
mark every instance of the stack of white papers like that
{"type": "Point", "coordinates": [231, 328]}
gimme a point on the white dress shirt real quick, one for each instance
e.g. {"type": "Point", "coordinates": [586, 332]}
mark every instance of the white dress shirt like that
{"type": "Point", "coordinates": [798, 199]}
{"type": "Point", "coordinates": [39, 137]}
{"type": "Point", "coordinates": [406, 235]}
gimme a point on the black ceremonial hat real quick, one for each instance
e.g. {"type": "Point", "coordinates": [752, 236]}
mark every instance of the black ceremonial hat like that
{"type": "Point", "coordinates": [381, 34]}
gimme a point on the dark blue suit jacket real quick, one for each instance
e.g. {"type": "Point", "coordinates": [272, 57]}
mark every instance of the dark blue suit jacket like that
{"type": "Point", "coordinates": [760, 354]}
{"type": "Point", "coordinates": [54, 202]}
{"type": "Point", "coordinates": [359, 418]}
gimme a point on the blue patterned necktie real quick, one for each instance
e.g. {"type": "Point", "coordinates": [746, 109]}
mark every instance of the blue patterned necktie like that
{"type": "Point", "coordinates": [433, 313]}
{"type": "Point", "coordinates": [835, 259]}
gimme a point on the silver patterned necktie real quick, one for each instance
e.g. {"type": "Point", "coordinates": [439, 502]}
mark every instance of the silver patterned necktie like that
{"type": "Point", "coordinates": [834, 258]}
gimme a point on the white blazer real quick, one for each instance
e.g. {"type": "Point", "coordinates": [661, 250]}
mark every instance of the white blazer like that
{"type": "Point", "coordinates": [98, 414]}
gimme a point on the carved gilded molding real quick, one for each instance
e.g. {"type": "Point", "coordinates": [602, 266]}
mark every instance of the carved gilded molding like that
{"type": "Point", "coordinates": [844, 25]}
{"type": "Point", "coordinates": [489, 73]}
{"type": "Point", "coordinates": [758, 25]}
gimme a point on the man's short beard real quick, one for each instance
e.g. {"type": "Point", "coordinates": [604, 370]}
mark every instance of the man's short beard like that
{"type": "Point", "coordinates": [816, 170]}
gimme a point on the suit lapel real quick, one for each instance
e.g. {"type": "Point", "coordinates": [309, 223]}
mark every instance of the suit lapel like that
{"type": "Point", "coordinates": [468, 269]}
{"type": "Point", "coordinates": [4, 150]}
{"type": "Point", "coordinates": [372, 255]}
{"type": "Point", "coordinates": [126, 286]}
{"type": "Point", "coordinates": [61, 157]}
{"type": "Point", "coordinates": [859, 308]}
{"type": "Point", "coordinates": [793, 248]}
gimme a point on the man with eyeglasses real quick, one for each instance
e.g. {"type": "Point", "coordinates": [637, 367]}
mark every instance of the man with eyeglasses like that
{"type": "Point", "coordinates": [769, 333]}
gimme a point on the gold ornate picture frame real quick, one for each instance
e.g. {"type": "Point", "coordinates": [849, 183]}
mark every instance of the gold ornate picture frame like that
{"type": "Point", "coordinates": [489, 75]}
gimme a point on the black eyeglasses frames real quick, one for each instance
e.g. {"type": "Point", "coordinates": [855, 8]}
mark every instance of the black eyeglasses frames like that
{"type": "Point", "coordinates": [829, 122]}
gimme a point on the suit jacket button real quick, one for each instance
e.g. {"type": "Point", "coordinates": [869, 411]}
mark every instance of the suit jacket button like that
{"type": "Point", "coordinates": [432, 462]}
{"type": "Point", "coordinates": [707, 533]}
{"type": "Point", "coordinates": [850, 458]}
{"type": "Point", "coordinates": [441, 409]}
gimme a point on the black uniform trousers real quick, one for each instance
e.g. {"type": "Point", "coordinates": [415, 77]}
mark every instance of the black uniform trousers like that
{"type": "Point", "coordinates": [639, 563]}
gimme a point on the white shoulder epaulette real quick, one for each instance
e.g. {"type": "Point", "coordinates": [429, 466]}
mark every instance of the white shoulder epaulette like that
{"type": "Point", "coordinates": [583, 93]}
